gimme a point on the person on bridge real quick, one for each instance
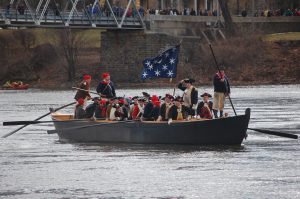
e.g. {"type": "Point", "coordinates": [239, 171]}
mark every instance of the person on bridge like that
{"type": "Point", "coordinates": [221, 91]}
{"type": "Point", "coordinates": [84, 88]}
{"type": "Point", "coordinates": [106, 87]}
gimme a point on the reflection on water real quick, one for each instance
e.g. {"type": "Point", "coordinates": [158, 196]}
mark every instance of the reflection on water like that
{"type": "Point", "coordinates": [36, 165]}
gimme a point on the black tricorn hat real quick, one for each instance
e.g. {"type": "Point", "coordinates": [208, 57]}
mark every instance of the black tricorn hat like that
{"type": "Point", "coordinates": [206, 94]}
{"type": "Point", "coordinates": [135, 97]}
{"type": "Point", "coordinates": [96, 99]}
{"type": "Point", "coordinates": [145, 94]}
{"type": "Point", "coordinates": [188, 80]}
{"type": "Point", "coordinates": [178, 99]}
{"type": "Point", "coordinates": [141, 99]}
{"type": "Point", "coordinates": [169, 96]}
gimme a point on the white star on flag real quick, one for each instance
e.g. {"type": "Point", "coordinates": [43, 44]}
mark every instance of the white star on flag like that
{"type": "Point", "coordinates": [167, 54]}
{"type": "Point", "coordinates": [157, 72]}
{"type": "Point", "coordinates": [144, 75]}
{"type": "Point", "coordinates": [148, 63]}
{"type": "Point", "coordinates": [170, 73]}
{"type": "Point", "coordinates": [150, 67]}
{"type": "Point", "coordinates": [174, 49]}
{"type": "Point", "coordinates": [172, 61]}
{"type": "Point", "coordinates": [165, 67]}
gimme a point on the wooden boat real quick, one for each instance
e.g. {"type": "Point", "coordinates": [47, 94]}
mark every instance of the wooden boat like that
{"type": "Point", "coordinates": [223, 131]}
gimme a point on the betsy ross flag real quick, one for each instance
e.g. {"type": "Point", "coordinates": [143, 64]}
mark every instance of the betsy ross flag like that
{"type": "Point", "coordinates": [162, 66]}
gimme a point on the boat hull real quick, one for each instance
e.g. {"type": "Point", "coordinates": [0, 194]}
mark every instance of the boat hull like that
{"type": "Point", "coordinates": [223, 131]}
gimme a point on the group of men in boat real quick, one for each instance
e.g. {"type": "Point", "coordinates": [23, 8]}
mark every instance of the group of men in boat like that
{"type": "Point", "coordinates": [151, 108]}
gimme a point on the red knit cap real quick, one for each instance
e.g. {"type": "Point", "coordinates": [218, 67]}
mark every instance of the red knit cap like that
{"type": "Point", "coordinates": [80, 101]}
{"type": "Point", "coordinates": [156, 103]}
{"type": "Point", "coordinates": [86, 77]}
{"type": "Point", "coordinates": [103, 102]}
{"type": "Point", "coordinates": [105, 75]}
{"type": "Point", "coordinates": [154, 98]}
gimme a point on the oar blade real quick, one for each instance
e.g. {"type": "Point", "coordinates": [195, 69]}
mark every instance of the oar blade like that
{"type": "Point", "coordinates": [281, 134]}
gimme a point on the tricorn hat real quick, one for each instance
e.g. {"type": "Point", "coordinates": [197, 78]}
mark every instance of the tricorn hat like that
{"type": "Point", "coordinates": [206, 94]}
{"type": "Point", "coordinates": [145, 94]}
{"type": "Point", "coordinates": [188, 80]}
{"type": "Point", "coordinates": [169, 96]}
{"type": "Point", "coordinates": [178, 99]}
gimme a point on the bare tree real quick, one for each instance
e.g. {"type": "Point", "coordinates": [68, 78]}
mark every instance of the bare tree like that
{"type": "Point", "coordinates": [26, 39]}
{"type": "Point", "coordinates": [69, 42]}
{"type": "Point", "coordinates": [229, 25]}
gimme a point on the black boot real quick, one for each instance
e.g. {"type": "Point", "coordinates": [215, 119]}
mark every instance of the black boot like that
{"type": "Point", "coordinates": [221, 113]}
{"type": "Point", "coordinates": [215, 113]}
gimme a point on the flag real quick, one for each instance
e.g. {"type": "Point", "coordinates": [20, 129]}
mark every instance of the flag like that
{"type": "Point", "coordinates": [162, 66]}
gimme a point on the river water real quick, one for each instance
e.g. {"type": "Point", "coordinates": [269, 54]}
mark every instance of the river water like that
{"type": "Point", "coordinates": [34, 164]}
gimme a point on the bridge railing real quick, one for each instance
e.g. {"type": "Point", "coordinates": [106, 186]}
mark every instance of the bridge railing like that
{"type": "Point", "coordinates": [14, 17]}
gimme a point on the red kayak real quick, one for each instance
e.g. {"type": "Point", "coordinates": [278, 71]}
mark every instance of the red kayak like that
{"type": "Point", "coordinates": [16, 87]}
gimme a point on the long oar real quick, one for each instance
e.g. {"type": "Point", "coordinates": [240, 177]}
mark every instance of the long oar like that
{"type": "Point", "coordinates": [287, 135]}
{"type": "Point", "coordinates": [13, 123]}
{"type": "Point", "coordinates": [213, 54]}
{"type": "Point", "coordinates": [87, 126]}
{"type": "Point", "coordinates": [85, 90]}
{"type": "Point", "coordinates": [8, 134]}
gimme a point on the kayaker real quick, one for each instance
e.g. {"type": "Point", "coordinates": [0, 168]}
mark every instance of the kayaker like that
{"type": "Point", "coordinates": [84, 85]}
{"type": "Point", "coordinates": [190, 95]}
{"type": "Point", "coordinates": [79, 111]}
{"type": "Point", "coordinates": [221, 91]}
{"type": "Point", "coordinates": [106, 87]}
{"type": "Point", "coordinates": [204, 108]}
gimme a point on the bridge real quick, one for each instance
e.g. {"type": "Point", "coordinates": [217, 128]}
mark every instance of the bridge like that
{"type": "Point", "coordinates": [72, 14]}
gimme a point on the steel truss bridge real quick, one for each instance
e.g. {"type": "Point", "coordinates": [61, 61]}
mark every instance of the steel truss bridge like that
{"type": "Point", "coordinates": [72, 14]}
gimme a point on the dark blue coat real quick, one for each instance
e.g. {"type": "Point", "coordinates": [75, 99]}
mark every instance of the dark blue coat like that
{"type": "Point", "coordinates": [106, 90]}
{"type": "Point", "coordinates": [219, 86]}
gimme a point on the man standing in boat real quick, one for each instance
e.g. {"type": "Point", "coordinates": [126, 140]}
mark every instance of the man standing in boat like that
{"type": "Point", "coordinates": [221, 91]}
{"type": "Point", "coordinates": [190, 95]}
{"type": "Point", "coordinates": [85, 88]}
{"type": "Point", "coordinates": [106, 87]}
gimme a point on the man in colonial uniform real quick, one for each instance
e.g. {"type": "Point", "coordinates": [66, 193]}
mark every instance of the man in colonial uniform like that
{"type": "Point", "coordinates": [150, 111]}
{"type": "Point", "coordinates": [177, 110]}
{"type": "Point", "coordinates": [85, 88]}
{"type": "Point", "coordinates": [164, 109]}
{"type": "Point", "coordinates": [190, 95]}
{"type": "Point", "coordinates": [106, 87]}
{"type": "Point", "coordinates": [221, 91]}
{"type": "Point", "coordinates": [204, 108]}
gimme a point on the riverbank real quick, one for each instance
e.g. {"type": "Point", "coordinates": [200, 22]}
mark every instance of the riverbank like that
{"type": "Point", "coordinates": [248, 60]}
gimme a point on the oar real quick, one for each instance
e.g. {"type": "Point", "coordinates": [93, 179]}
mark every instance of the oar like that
{"type": "Point", "coordinates": [8, 134]}
{"type": "Point", "coordinates": [85, 90]}
{"type": "Point", "coordinates": [13, 123]}
{"type": "Point", "coordinates": [87, 126]}
{"type": "Point", "coordinates": [281, 134]}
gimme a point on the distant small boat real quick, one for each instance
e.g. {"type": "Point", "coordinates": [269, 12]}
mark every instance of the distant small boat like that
{"type": "Point", "coordinates": [222, 131]}
{"type": "Point", "coordinates": [15, 86]}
